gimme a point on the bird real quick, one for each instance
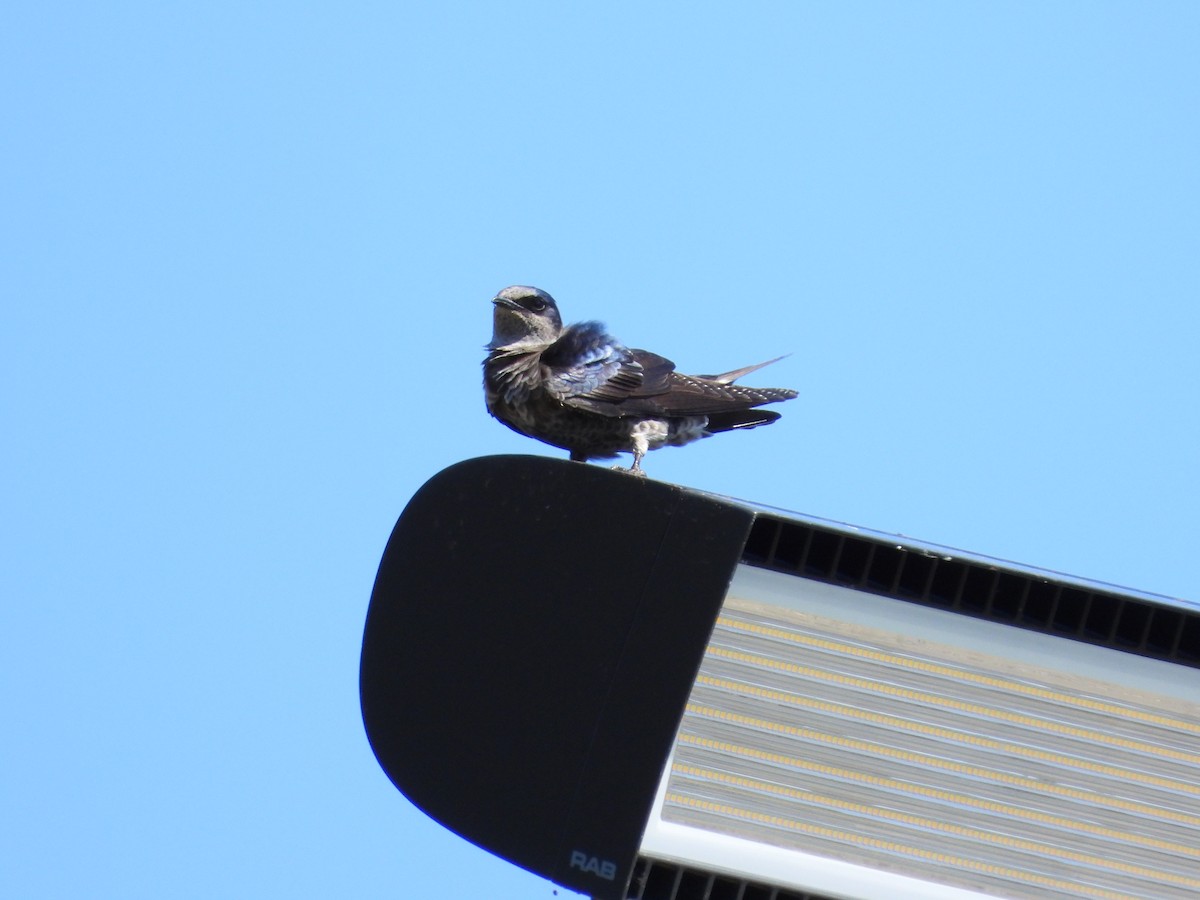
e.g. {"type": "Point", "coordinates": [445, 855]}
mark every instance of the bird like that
{"type": "Point", "coordinates": [580, 389]}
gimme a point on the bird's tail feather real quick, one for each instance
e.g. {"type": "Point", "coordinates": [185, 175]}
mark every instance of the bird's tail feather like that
{"type": "Point", "coordinates": [739, 418]}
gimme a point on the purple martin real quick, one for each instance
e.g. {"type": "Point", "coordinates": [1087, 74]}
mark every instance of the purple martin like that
{"type": "Point", "coordinates": [581, 389]}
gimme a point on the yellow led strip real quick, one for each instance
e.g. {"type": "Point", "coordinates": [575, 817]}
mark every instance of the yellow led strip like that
{"type": "Point", "coordinates": [975, 834]}
{"type": "Point", "coordinates": [948, 734]}
{"type": "Point", "coordinates": [891, 846]}
{"type": "Point", "coordinates": [920, 697]}
{"type": "Point", "coordinates": [933, 793]}
{"type": "Point", "coordinates": [954, 672]}
{"type": "Point", "coordinates": [937, 762]}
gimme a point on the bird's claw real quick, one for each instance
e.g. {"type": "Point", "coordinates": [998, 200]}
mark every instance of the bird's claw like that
{"type": "Point", "coordinates": [632, 470]}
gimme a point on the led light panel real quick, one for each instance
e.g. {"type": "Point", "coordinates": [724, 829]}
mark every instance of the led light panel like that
{"type": "Point", "coordinates": [851, 745]}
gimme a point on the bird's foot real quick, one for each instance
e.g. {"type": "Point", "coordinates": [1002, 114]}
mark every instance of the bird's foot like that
{"type": "Point", "coordinates": [632, 470]}
{"type": "Point", "coordinates": [636, 469]}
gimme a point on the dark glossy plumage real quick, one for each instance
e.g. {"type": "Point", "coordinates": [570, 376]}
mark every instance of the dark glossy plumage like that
{"type": "Point", "coordinates": [581, 389]}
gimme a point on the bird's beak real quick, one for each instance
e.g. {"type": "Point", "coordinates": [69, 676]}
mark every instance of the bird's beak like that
{"type": "Point", "coordinates": [505, 302]}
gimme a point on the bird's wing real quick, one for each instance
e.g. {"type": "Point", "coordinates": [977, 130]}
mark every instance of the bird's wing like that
{"type": "Point", "coordinates": [731, 377]}
{"type": "Point", "coordinates": [589, 369]}
{"type": "Point", "coordinates": [693, 395]}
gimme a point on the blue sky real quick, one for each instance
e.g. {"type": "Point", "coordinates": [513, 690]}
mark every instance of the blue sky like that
{"type": "Point", "coordinates": [249, 250]}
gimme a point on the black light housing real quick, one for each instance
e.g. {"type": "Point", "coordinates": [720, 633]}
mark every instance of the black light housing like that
{"type": "Point", "coordinates": [557, 658]}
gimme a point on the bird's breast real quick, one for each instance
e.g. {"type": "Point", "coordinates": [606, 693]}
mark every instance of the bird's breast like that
{"type": "Point", "coordinates": [510, 381]}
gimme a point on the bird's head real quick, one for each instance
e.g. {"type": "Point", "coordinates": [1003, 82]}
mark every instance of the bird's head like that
{"type": "Point", "coordinates": [524, 317]}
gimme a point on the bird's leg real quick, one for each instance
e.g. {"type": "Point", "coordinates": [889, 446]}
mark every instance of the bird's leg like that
{"type": "Point", "coordinates": [577, 456]}
{"type": "Point", "coordinates": [641, 447]}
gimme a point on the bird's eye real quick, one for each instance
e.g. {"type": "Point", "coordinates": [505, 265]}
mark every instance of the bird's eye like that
{"type": "Point", "coordinates": [536, 304]}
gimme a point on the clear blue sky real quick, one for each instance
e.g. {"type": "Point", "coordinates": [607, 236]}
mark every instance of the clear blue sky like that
{"type": "Point", "coordinates": [248, 253]}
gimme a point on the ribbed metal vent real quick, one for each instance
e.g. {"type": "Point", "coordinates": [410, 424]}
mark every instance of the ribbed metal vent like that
{"type": "Point", "coordinates": [986, 592]}
{"type": "Point", "coordinates": [654, 880]}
